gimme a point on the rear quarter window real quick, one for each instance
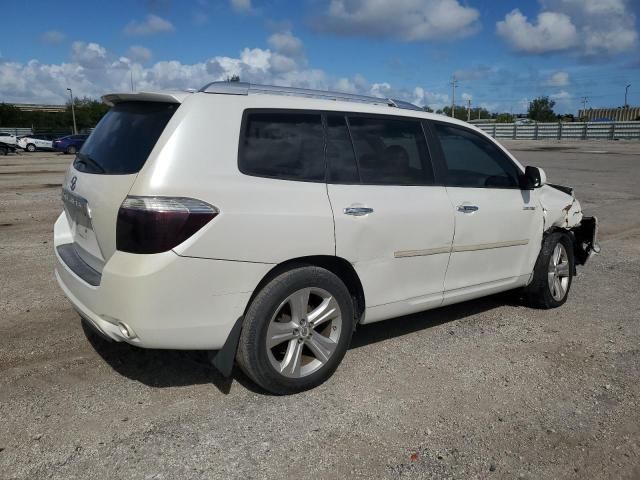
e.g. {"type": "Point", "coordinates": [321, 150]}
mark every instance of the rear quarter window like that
{"type": "Point", "coordinates": [287, 146]}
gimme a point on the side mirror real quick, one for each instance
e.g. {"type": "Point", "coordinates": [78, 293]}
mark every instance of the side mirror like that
{"type": "Point", "coordinates": [534, 177]}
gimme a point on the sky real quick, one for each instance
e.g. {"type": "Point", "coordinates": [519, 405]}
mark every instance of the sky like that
{"type": "Point", "coordinates": [501, 53]}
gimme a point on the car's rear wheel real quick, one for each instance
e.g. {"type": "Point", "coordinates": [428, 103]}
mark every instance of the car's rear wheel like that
{"type": "Point", "coordinates": [553, 273]}
{"type": "Point", "coordinates": [31, 147]}
{"type": "Point", "coordinates": [296, 330]}
{"type": "Point", "coordinates": [71, 149]}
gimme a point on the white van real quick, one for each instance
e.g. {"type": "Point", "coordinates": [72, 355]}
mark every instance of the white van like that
{"type": "Point", "coordinates": [265, 223]}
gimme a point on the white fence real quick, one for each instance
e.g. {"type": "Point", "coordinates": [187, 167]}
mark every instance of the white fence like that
{"type": "Point", "coordinates": [564, 131]}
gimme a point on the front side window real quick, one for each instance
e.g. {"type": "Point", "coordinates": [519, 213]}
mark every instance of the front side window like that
{"type": "Point", "coordinates": [473, 161]}
{"type": "Point", "coordinates": [283, 145]}
{"type": "Point", "coordinates": [391, 151]}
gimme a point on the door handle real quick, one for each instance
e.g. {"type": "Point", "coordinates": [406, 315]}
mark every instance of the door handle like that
{"type": "Point", "coordinates": [468, 208]}
{"type": "Point", "coordinates": [358, 211]}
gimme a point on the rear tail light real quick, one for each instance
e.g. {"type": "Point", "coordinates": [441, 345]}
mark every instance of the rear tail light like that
{"type": "Point", "coordinates": [158, 224]}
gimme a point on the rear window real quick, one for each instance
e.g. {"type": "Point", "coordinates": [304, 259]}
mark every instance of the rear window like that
{"type": "Point", "coordinates": [283, 145]}
{"type": "Point", "coordinates": [124, 138]}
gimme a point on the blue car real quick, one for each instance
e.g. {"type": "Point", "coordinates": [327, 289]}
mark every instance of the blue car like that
{"type": "Point", "coordinates": [69, 144]}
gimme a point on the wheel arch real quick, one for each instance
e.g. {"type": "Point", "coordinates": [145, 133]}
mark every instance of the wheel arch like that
{"type": "Point", "coordinates": [336, 265]}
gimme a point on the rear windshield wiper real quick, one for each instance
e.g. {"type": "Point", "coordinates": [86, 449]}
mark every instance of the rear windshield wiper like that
{"type": "Point", "coordinates": [87, 160]}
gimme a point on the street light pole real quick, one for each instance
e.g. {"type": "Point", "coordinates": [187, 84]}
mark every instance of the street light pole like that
{"type": "Point", "coordinates": [73, 112]}
{"type": "Point", "coordinates": [626, 91]}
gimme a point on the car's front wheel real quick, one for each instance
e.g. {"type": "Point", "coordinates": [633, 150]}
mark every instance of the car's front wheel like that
{"type": "Point", "coordinates": [31, 147]}
{"type": "Point", "coordinates": [296, 330]}
{"type": "Point", "coordinates": [553, 272]}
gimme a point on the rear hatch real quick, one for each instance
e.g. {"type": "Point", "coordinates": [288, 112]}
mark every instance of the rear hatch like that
{"type": "Point", "coordinates": [105, 169]}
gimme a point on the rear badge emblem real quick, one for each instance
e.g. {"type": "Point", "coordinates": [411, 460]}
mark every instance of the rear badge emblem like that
{"type": "Point", "coordinates": [74, 180]}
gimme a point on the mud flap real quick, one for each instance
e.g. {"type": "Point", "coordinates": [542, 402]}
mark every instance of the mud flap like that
{"type": "Point", "coordinates": [224, 358]}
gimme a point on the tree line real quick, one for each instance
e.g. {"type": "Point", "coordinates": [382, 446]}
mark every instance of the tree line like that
{"type": "Point", "coordinates": [540, 110]}
{"type": "Point", "coordinates": [88, 113]}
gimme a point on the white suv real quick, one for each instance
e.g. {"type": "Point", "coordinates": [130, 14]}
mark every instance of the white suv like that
{"type": "Point", "coordinates": [265, 223]}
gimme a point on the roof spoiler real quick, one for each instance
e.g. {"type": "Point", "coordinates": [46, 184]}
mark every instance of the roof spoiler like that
{"type": "Point", "coordinates": [163, 97]}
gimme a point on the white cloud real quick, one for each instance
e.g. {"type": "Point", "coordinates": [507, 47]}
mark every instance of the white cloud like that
{"type": "Point", "coordinates": [407, 20]}
{"type": "Point", "coordinates": [466, 97]}
{"type": "Point", "coordinates": [586, 27]}
{"type": "Point", "coordinates": [93, 71]}
{"type": "Point", "coordinates": [151, 25]}
{"type": "Point", "coordinates": [422, 98]}
{"type": "Point", "coordinates": [242, 6]}
{"type": "Point", "coordinates": [286, 43]}
{"type": "Point", "coordinates": [563, 99]}
{"type": "Point", "coordinates": [53, 37]}
{"type": "Point", "coordinates": [138, 53]}
{"type": "Point", "coordinates": [88, 55]}
{"type": "Point", "coordinates": [551, 32]}
{"type": "Point", "coordinates": [558, 79]}
{"type": "Point", "coordinates": [563, 95]}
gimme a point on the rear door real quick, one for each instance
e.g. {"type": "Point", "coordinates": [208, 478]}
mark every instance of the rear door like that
{"type": "Point", "coordinates": [103, 172]}
{"type": "Point", "coordinates": [495, 221]}
{"type": "Point", "coordinates": [391, 222]}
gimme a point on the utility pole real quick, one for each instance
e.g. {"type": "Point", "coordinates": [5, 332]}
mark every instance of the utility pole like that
{"type": "Point", "coordinates": [626, 92]}
{"type": "Point", "coordinates": [131, 72]}
{"type": "Point", "coordinates": [584, 106]}
{"type": "Point", "coordinates": [73, 112]}
{"type": "Point", "coordinates": [468, 110]}
{"type": "Point", "coordinates": [454, 84]}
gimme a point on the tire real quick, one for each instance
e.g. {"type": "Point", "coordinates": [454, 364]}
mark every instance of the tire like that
{"type": "Point", "coordinates": [553, 273]}
{"type": "Point", "coordinates": [31, 148]}
{"type": "Point", "coordinates": [71, 150]}
{"type": "Point", "coordinates": [306, 348]}
{"type": "Point", "coordinates": [4, 150]}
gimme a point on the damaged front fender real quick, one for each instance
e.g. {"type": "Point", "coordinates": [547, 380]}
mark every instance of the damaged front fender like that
{"type": "Point", "coordinates": [562, 210]}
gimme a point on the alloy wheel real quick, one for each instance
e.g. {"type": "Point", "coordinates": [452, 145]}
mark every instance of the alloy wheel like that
{"type": "Point", "coordinates": [304, 332]}
{"type": "Point", "coordinates": [559, 272]}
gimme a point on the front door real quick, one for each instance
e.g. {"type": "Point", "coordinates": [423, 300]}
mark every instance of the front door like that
{"type": "Point", "coordinates": [498, 226]}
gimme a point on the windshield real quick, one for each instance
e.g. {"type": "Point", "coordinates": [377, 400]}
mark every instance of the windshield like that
{"type": "Point", "coordinates": [123, 139]}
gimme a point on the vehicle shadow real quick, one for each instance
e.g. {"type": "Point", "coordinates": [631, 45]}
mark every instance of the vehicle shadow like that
{"type": "Point", "coordinates": [177, 368]}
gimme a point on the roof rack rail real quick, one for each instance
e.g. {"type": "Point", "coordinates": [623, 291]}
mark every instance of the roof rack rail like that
{"type": "Point", "coordinates": [244, 88]}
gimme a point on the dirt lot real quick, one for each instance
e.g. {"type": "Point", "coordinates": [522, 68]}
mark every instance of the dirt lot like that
{"type": "Point", "coordinates": [486, 389]}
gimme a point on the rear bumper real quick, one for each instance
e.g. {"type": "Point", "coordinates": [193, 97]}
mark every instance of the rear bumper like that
{"type": "Point", "coordinates": [162, 300]}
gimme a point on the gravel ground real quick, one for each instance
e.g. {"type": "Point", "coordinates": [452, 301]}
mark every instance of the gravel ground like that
{"type": "Point", "coordinates": [485, 389]}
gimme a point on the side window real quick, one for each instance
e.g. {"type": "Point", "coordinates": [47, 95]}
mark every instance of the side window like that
{"type": "Point", "coordinates": [473, 161]}
{"type": "Point", "coordinates": [341, 160]}
{"type": "Point", "coordinates": [391, 151]}
{"type": "Point", "coordinates": [283, 145]}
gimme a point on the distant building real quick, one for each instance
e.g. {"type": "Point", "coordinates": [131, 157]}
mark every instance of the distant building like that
{"type": "Point", "coordinates": [619, 114]}
{"type": "Point", "coordinates": [37, 107]}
